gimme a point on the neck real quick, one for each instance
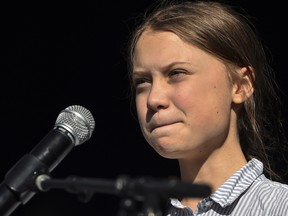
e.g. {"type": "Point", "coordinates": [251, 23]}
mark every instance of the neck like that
{"type": "Point", "coordinates": [214, 169]}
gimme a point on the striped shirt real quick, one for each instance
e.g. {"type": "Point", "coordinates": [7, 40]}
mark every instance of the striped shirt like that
{"type": "Point", "coordinates": [246, 193]}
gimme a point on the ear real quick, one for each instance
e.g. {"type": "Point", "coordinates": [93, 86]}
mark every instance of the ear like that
{"type": "Point", "coordinates": [243, 88]}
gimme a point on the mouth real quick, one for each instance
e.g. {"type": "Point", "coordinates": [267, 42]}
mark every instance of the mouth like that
{"type": "Point", "coordinates": [155, 126]}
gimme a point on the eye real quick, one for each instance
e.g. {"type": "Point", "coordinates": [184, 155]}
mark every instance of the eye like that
{"type": "Point", "coordinates": [177, 74]}
{"type": "Point", "coordinates": [140, 81]}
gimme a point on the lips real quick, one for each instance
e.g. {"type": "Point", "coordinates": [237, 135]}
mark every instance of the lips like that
{"type": "Point", "coordinates": [154, 125]}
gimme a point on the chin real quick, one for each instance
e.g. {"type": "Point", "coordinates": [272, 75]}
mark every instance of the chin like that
{"type": "Point", "coordinates": [166, 151]}
{"type": "Point", "coordinates": [168, 155]}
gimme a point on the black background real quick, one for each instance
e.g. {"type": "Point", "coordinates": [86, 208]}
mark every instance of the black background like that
{"type": "Point", "coordinates": [53, 57]}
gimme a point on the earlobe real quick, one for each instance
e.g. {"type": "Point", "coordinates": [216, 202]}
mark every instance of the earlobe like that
{"type": "Point", "coordinates": [243, 88]}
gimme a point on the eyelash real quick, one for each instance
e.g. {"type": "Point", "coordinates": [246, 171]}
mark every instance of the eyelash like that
{"type": "Point", "coordinates": [174, 75]}
{"type": "Point", "coordinates": [138, 81]}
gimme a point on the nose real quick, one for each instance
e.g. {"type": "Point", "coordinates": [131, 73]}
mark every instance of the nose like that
{"type": "Point", "coordinates": [158, 96]}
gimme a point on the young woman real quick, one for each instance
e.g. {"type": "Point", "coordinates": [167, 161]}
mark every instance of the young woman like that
{"type": "Point", "coordinates": [205, 95]}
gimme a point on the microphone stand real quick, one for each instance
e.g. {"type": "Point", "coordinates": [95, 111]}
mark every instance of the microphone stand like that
{"type": "Point", "coordinates": [150, 193]}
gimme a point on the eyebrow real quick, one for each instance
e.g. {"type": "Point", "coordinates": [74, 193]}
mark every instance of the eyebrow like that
{"type": "Point", "coordinates": [164, 68]}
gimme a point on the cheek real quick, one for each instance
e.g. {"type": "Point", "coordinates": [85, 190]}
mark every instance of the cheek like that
{"type": "Point", "coordinates": [141, 108]}
{"type": "Point", "coordinates": [206, 101]}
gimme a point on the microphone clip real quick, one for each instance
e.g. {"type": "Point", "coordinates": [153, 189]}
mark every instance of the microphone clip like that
{"type": "Point", "coordinates": [27, 169]}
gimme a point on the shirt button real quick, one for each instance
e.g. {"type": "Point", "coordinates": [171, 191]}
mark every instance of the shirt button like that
{"type": "Point", "coordinates": [208, 204]}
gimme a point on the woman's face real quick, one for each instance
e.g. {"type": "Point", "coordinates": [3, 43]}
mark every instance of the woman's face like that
{"type": "Point", "coordinates": [183, 96]}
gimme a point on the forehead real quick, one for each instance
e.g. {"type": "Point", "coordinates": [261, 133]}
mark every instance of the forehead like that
{"type": "Point", "coordinates": [160, 46]}
{"type": "Point", "coordinates": [163, 48]}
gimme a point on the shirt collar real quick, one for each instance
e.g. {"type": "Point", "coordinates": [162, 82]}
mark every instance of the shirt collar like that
{"type": "Point", "coordinates": [238, 183]}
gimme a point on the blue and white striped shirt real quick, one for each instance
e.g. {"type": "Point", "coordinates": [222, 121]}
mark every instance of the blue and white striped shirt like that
{"type": "Point", "coordinates": [247, 192]}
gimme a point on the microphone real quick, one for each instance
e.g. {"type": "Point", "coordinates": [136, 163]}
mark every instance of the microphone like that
{"type": "Point", "coordinates": [74, 125]}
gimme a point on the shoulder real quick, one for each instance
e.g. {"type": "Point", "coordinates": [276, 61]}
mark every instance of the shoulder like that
{"type": "Point", "coordinates": [268, 191]}
{"type": "Point", "coordinates": [264, 197]}
{"type": "Point", "coordinates": [270, 186]}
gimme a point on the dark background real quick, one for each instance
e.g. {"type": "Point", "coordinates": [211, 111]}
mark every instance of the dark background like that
{"type": "Point", "coordinates": [53, 57]}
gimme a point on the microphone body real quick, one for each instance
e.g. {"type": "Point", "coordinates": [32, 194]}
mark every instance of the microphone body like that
{"type": "Point", "coordinates": [74, 125]}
